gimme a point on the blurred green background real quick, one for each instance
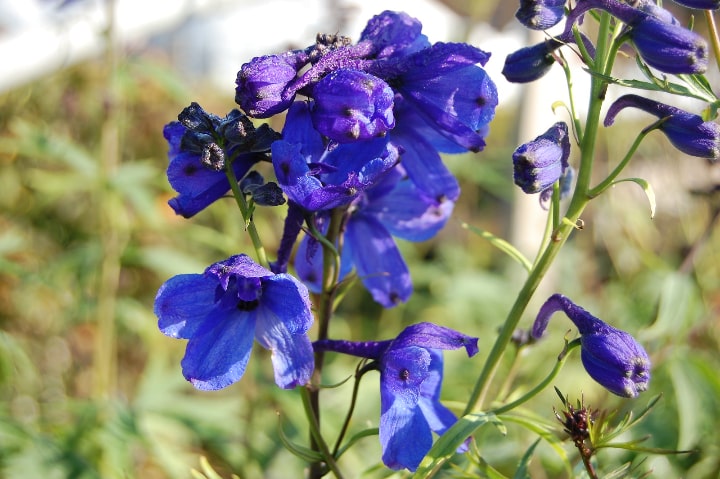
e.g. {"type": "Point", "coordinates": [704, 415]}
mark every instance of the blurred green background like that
{"type": "Point", "coordinates": [89, 388]}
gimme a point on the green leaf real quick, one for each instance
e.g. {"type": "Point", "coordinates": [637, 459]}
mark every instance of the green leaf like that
{"type": "Point", "coordinates": [501, 244]}
{"type": "Point", "coordinates": [486, 471]}
{"type": "Point", "coordinates": [544, 431]}
{"type": "Point", "coordinates": [647, 188]}
{"type": "Point", "coordinates": [304, 453]}
{"type": "Point", "coordinates": [445, 447]}
{"type": "Point", "coordinates": [373, 431]}
{"type": "Point", "coordinates": [522, 471]}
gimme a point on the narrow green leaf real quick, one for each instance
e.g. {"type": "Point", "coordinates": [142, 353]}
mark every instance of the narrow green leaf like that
{"type": "Point", "coordinates": [647, 188]}
{"type": "Point", "coordinates": [304, 453]}
{"type": "Point", "coordinates": [445, 447]}
{"type": "Point", "coordinates": [373, 431]}
{"type": "Point", "coordinates": [501, 244]}
{"type": "Point", "coordinates": [486, 471]}
{"type": "Point", "coordinates": [522, 471]}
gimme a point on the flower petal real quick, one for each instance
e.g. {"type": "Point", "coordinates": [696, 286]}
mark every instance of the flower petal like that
{"type": "Point", "coordinates": [183, 302]}
{"type": "Point", "coordinates": [284, 317]}
{"type": "Point", "coordinates": [218, 354]}
{"type": "Point", "coordinates": [405, 436]}
{"type": "Point", "coordinates": [429, 335]}
{"type": "Point", "coordinates": [377, 260]}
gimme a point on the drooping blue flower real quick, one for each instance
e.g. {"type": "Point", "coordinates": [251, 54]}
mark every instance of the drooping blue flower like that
{"type": "Point", "coordinates": [202, 146]}
{"type": "Point", "coordinates": [611, 357]}
{"type": "Point", "coordinates": [221, 311]}
{"type": "Point", "coordinates": [543, 161]}
{"type": "Point", "coordinates": [395, 207]}
{"type": "Point", "coordinates": [531, 63]}
{"type": "Point", "coordinates": [411, 372]}
{"type": "Point", "coordinates": [687, 131]}
{"type": "Point", "coordinates": [319, 176]}
{"type": "Point", "coordinates": [659, 40]}
{"type": "Point", "coordinates": [540, 14]}
{"type": "Point", "coordinates": [669, 47]}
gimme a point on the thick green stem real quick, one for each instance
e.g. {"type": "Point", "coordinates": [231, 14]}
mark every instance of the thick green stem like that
{"type": "Point", "coordinates": [603, 63]}
{"type": "Point", "coordinates": [331, 272]}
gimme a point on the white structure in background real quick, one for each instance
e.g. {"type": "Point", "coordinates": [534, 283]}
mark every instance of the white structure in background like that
{"type": "Point", "coordinates": [212, 36]}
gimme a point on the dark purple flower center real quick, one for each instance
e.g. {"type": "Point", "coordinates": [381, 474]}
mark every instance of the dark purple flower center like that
{"type": "Point", "coordinates": [404, 374]}
{"type": "Point", "coordinates": [247, 305]}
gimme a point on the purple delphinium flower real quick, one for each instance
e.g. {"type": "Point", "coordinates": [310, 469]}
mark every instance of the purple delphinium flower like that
{"type": "Point", "coordinates": [410, 380]}
{"type": "Point", "coordinates": [319, 176]}
{"type": "Point", "coordinates": [531, 63]}
{"type": "Point", "coordinates": [444, 81]}
{"type": "Point", "coordinates": [543, 161]}
{"type": "Point", "coordinates": [395, 207]}
{"type": "Point", "coordinates": [659, 39]}
{"type": "Point", "coordinates": [686, 131]}
{"type": "Point", "coordinates": [540, 14]}
{"type": "Point", "coordinates": [611, 357]}
{"type": "Point", "coordinates": [221, 311]}
{"type": "Point", "coordinates": [202, 146]}
{"type": "Point", "coordinates": [351, 105]}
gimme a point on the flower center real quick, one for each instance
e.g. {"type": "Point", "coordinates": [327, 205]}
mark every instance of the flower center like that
{"type": "Point", "coordinates": [247, 305]}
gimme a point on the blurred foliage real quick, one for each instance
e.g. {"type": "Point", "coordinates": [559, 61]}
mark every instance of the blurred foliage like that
{"type": "Point", "coordinates": [659, 279]}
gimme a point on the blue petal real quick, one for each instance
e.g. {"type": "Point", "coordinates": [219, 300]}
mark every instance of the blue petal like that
{"type": "Point", "coordinates": [438, 416]}
{"type": "Point", "coordinates": [394, 34]}
{"type": "Point", "coordinates": [217, 355]}
{"type": "Point", "coordinates": [284, 316]}
{"type": "Point", "coordinates": [425, 167]}
{"type": "Point", "coordinates": [410, 214]}
{"type": "Point", "coordinates": [405, 436]}
{"type": "Point", "coordinates": [299, 129]}
{"type": "Point", "coordinates": [377, 260]}
{"type": "Point", "coordinates": [183, 303]}
{"type": "Point", "coordinates": [432, 336]}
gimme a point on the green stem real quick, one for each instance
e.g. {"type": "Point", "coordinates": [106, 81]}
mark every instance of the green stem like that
{"type": "Point", "coordinates": [607, 182]}
{"type": "Point", "coordinates": [246, 213]}
{"type": "Point", "coordinates": [331, 272]}
{"type": "Point", "coordinates": [356, 388]}
{"type": "Point", "coordinates": [543, 384]}
{"type": "Point", "coordinates": [318, 441]}
{"type": "Point", "coordinates": [579, 201]}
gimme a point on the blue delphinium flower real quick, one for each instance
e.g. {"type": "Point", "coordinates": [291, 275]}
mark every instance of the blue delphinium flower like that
{"type": "Point", "coordinates": [395, 207]}
{"type": "Point", "coordinates": [444, 81]}
{"type": "Point", "coordinates": [611, 357]}
{"type": "Point", "coordinates": [202, 145]}
{"type": "Point", "coordinates": [531, 63]}
{"type": "Point", "coordinates": [687, 132]}
{"type": "Point", "coordinates": [320, 176]}
{"type": "Point", "coordinates": [543, 161]}
{"type": "Point", "coordinates": [221, 311]}
{"type": "Point", "coordinates": [659, 39]}
{"type": "Point", "coordinates": [540, 14]}
{"type": "Point", "coordinates": [411, 372]}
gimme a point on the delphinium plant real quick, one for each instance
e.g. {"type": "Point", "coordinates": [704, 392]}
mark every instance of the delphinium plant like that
{"type": "Point", "coordinates": [357, 163]}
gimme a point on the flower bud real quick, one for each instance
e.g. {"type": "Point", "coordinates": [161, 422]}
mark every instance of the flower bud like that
{"type": "Point", "coordinates": [352, 105]}
{"type": "Point", "coordinates": [669, 47]}
{"type": "Point", "coordinates": [540, 163]}
{"type": "Point", "coordinates": [262, 82]}
{"type": "Point", "coordinates": [540, 14]}
{"type": "Point", "coordinates": [686, 131]}
{"type": "Point", "coordinates": [530, 63]}
{"type": "Point", "coordinates": [610, 356]}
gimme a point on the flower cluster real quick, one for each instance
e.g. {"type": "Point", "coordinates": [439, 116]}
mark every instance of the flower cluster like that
{"type": "Point", "coordinates": [364, 126]}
